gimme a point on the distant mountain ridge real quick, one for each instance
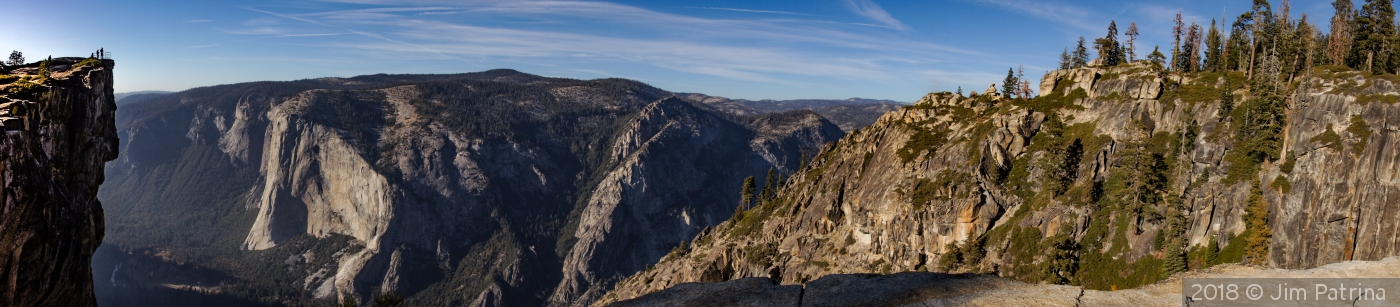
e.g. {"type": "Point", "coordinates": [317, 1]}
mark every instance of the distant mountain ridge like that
{"type": "Point", "coordinates": [137, 97]}
{"type": "Point", "coordinates": [495, 188]}
{"type": "Point", "coordinates": [850, 114]}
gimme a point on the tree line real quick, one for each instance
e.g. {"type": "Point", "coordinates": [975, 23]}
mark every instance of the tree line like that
{"type": "Point", "coordinates": [1364, 38]}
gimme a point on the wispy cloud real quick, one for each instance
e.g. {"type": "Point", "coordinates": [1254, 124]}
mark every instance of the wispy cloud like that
{"type": "Point", "coordinates": [869, 9]}
{"type": "Point", "coordinates": [761, 50]}
{"type": "Point", "coordinates": [748, 10]}
{"type": "Point", "coordinates": [198, 21]}
{"type": "Point", "coordinates": [1057, 12]}
{"type": "Point", "coordinates": [313, 34]}
{"type": "Point", "coordinates": [201, 46]}
{"type": "Point", "coordinates": [1162, 14]}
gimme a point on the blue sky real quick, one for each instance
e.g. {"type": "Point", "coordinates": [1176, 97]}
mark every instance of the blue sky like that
{"type": "Point", "coordinates": [831, 49]}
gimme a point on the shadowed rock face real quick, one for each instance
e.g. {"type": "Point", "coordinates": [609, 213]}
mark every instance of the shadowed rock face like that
{"type": "Point", "coordinates": [486, 189]}
{"type": "Point", "coordinates": [50, 169]}
{"type": "Point", "coordinates": [952, 171]}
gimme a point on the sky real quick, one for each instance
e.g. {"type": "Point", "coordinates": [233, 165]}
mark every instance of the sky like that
{"type": "Point", "coordinates": [792, 49]}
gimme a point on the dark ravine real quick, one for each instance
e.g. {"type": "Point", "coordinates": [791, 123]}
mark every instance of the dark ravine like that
{"type": "Point", "coordinates": [496, 188]}
{"type": "Point", "coordinates": [59, 134]}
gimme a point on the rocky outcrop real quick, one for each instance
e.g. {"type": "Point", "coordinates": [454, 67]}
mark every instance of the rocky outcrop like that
{"type": "Point", "coordinates": [980, 184]}
{"type": "Point", "coordinates": [51, 164]}
{"type": "Point", "coordinates": [633, 218]}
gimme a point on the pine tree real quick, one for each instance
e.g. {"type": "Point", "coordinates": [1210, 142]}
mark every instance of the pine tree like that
{"type": "Point", "coordinates": [1132, 38]}
{"type": "Point", "coordinates": [1177, 31]}
{"type": "Point", "coordinates": [746, 193]}
{"type": "Point", "coordinates": [1237, 46]}
{"type": "Point", "coordinates": [1189, 59]}
{"type": "Point", "coordinates": [1340, 40]}
{"type": "Point", "coordinates": [1375, 27]}
{"type": "Point", "coordinates": [1023, 89]}
{"type": "Point", "coordinates": [1227, 101]}
{"type": "Point", "coordinates": [1306, 42]}
{"type": "Point", "coordinates": [770, 185]}
{"type": "Point", "coordinates": [1065, 61]}
{"type": "Point", "coordinates": [1081, 54]}
{"type": "Point", "coordinates": [1214, 50]}
{"type": "Point", "coordinates": [16, 58]}
{"type": "Point", "coordinates": [1157, 58]}
{"type": "Point", "coordinates": [959, 90]}
{"type": "Point", "coordinates": [1109, 50]}
{"type": "Point", "coordinates": [1263, 19]}
{"type": "Point", "coordinates": [1008, 86]}
{"type": "Point", "coordinates": [44, 69]}
{"type": "Point", "coordinates": [1257, 225]}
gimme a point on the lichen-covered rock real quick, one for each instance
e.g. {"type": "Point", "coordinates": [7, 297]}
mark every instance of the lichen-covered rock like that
{"type": "Point", "coordinates": [50, 170]}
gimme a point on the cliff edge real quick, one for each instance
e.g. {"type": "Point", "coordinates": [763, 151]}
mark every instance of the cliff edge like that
{"type": "Point", "coordinates": [58, 134]}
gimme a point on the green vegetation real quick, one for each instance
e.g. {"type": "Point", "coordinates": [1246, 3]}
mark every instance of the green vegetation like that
{"type": "Point", "coordinates": [1329, 139]}
{"type": "Point", "coordinates": [760, 255]}
{"type": "Point", "coordinates": [1289, 163]}
{"type": "Point", "coordinates": [1381, 98]}
{"type": "Point", "coordinates": [388, 299]}
{"type": "Point", "coordinates": [7, 79]}
{"type": "Point", "coordinates": [1282, 184]}
{"type": "Point", "coordinates": [1361, 131]}
{"type": "Point", "coordinates": [922, 141]}
{"type": "Point", "coordinates": [26, 87]}
{"type": "Point", "coordinates": [94, 62]}
{"type": "Point", "coordinates": [746, 192]}
{"type": "Point", "coordinates": [1258, 233]}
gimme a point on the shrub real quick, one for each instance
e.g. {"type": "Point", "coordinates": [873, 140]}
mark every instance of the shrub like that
{"type": "Point", "coordinates": [1282, 184]}
{"type": "Point", "coordinates": [923, 140]}
{"type": "Point", "coordinates": [388, 299]}
{"type": "Point", "coordinates": [88, 62]}
{"type": "Point", "coordinates": [7, 79]}
{"type": "Point", "coordinates": [1329, 139]}
{"type": "Point", "coordinates": [1361, 131]}
{"type": "Point", "coordinates": [1289, 163]}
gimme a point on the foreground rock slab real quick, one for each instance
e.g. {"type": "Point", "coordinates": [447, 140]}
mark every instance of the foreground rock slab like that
{"type": "Point", "coordinates": [938, 289]}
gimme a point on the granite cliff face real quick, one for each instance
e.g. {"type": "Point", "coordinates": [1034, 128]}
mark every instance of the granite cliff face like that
{"type": "Point", "coordinates": [487, 189]}
{"type": "Point", "coordinates": [58, 134]}
{"type": "Point", "coordinates": [1113, 178]}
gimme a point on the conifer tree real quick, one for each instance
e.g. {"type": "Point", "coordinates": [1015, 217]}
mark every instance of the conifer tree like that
{"type": "Point", "coordinates": [1214, 50]}
{"type": "Point", "coordinates": [1238, 46]}
{"type": "Point", "coordinates": [1177, 31]}
{"type": "Point", "coordinates": [1189, 59]}
{"type": "Point", "coordinates": [770, 185]}
{"type": "Point", "coordinates": [16, 58]}
{"type": "Point", "coordinates": [1081, 54]}
{"type": "Point", "coordinates": [1340, 40]}
{"type": "Point", "coordinates": [1156, 57]}
{"type": "Point", "coordinates": [1024, 87]}
{"type": "Point", "coordinates": [1065, 61]}
{"type": "Point", "coordinates": [1108, 47]}
{"type": "Point", "coordinates": [1227, 101]}
{"type": "Point", "coordinates": [1257, 224]}
{"type": "Point", "coordinates": [1132, 39]}
{"type": "Point", "coordinates": [1009, 86]}
{"type": "Point", "coordinates": [1375, 27]}
{"type": "Point", "coordinates": [746, 193]}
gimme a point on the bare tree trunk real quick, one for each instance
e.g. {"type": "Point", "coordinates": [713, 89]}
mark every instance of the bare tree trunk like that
{"type": "Point", "coordinates": [1369, 55]}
